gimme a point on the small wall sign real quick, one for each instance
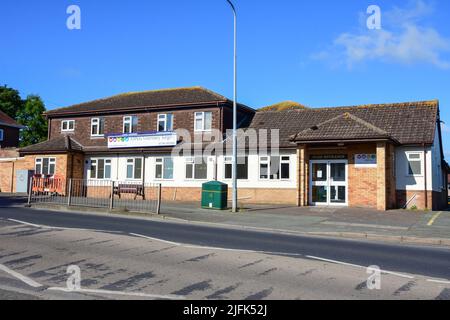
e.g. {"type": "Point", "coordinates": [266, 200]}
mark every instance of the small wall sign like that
{"type": "Point", "coordinates": [365, 160]}
{"type": "Point", "coordinates": [329, 157]}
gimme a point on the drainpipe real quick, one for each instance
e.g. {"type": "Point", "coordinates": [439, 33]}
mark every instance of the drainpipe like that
{"type": "Point", "coordinates": [425, 176]}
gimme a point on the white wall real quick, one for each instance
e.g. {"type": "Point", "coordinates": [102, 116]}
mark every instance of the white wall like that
{"type": "Point", "coordinates": [119, 163]}
{"type": "Point", "coordinates": [433, 170]}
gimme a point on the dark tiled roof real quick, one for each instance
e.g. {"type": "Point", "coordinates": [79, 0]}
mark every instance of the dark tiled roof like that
{"type": "Point", "coordinates": [7, 120]}
{"type": "Point", "coordinates": [59, 144]}
{"type": "Point", "coordinates": [407, 123]}
{"type": "Point", "coordinates": [165, 97]}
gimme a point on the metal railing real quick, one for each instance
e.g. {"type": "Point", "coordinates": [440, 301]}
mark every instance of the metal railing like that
{"type": "Point", "coordinates": [124, 195]}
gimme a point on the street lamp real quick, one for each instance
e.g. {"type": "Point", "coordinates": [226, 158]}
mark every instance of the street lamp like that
{"type": "Point", "coordinates": [234, 166]}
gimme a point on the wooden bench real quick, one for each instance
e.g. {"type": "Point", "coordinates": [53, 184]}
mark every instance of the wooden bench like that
{"type": "Point", "coordinates": [136, 189]}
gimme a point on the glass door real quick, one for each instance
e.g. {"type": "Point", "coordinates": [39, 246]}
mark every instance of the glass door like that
{"type": "Point", "coordinates": [319, 183]}
{"type": "Point", "coordinates": [328, 183]}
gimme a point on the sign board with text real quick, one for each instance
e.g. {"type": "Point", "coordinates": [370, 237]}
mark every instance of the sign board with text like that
{"type": "Point", "coordinates": [142, 140]}
{"type": "Point", "coordinates": [365, 160]}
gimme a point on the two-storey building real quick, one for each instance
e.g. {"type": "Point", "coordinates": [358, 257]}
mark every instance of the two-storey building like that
{"type": "Point", "coordinates": [9, 131]}
{"type": "Point", "coordinates": [376, 156]}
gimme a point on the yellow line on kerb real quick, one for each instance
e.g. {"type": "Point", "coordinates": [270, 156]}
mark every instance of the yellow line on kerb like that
{"type": "Point", "coordinates": [430, 223]}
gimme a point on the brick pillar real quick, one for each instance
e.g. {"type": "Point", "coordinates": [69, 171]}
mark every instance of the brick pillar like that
{"type": "Point", "coordinates": [381, 176]}
{"type": "Point", "coordinates": [302, 174]}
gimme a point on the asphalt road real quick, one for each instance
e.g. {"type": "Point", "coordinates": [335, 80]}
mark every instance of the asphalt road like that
{"type": "Point", "coordinates": [426, 261]}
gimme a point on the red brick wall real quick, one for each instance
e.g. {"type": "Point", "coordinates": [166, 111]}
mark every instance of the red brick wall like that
{"type": "Point", "coordinates": [183, 119]}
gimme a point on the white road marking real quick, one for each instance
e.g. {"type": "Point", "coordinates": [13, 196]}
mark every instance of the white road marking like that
{"type": "Point", "coordinates": [438, 281]}
{"type": "Point", "coordinates": [26, 223]}
{"type": "Point", "coordinates": [120, 293]}
{"type": "Point", "coordinates": [62, 228]}
{"type": "Point", "coordinates": [155, 239]}
{"type": "Point", "coordinates": [22, 278]}
{"type": "Point", "coordinates": [358, 266]}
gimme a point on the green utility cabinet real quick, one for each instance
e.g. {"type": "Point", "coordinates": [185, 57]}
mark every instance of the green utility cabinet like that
{"type": "Point", "coordinates": [215, 195]}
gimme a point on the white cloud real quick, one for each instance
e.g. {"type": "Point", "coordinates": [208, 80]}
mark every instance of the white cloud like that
{"type": "Point", "coordinates": [402, 39]}
{"type": "Point", "coordinates": [445, 128]}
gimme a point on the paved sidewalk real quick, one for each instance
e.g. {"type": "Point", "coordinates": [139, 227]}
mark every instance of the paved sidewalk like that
{"type": "Point", "coordinates": [395, 225]}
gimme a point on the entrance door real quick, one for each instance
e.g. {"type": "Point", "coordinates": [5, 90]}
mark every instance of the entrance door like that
{"type": "Point", "coordinates": [328, 183]}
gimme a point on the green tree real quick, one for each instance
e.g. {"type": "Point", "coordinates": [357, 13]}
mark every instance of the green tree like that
{"type": "Point", "coordinates": [32, 117]}
{"type": "Point", "coordinates": [10, 101]}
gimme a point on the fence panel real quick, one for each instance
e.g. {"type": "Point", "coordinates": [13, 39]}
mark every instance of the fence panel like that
{"type": "Point", "coordinates": [124, 195]}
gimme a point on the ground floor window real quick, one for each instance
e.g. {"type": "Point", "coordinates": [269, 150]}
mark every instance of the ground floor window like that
{"type": "Point", "coordinates": [242, 168]}
{"type": "Point", "coordinates": [134, 168]}
{"type": "Point", "coordinates": [1, 134]}
{"type": "Point", "coordinates": [45, 166]}
{"type": "Point", "coordinates": [100, 169]}
{"type": "Point", "coordinates": [164, 168]}
{"type": "Point", "coordinates": [196, 168]}
{"type": "Point", "coordinates": [274, 167]}
{"type": "Point", "coordinates": [415, 160]}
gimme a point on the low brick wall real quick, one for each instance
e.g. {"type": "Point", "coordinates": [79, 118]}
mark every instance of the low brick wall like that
{"type": "Point", "coordinates": [436, 200]}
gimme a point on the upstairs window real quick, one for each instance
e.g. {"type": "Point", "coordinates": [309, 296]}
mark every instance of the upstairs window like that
{"type": "Point", "coordinates": [134, 168]}
{"type": "Point", "coordinates": [1, 134]}
{"type": "Point", "coordinates": [130, 124]}
{"type": "Point", "coordinates": [165, 122]}
{"type": "Point", "coordinates": [67, 125]}
{"type": "Point", "coordinates": [203, 121]}
{"type": "Point", "coordinates": [415, 161]}
{"type": "Point", "coordinates": [97, 127]}
{"type": "Point", "coordinates": [45, 166]}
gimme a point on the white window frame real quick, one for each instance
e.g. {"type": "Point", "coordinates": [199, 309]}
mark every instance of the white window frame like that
{"type": "Point", "coordinates": [202, 116]}
{"type": "Point", "coordinates": [105, 164]}
{"type": "Point", "coordinates": [268, 161]}
{"type": "Point", "coordinates": [129, 120]}
{"type": "Point", "coordinates": [161, 161]}
{"type": "Point", "coordinates": [228, 160]}
{"type": "Point", "coordinates": [51, 161]}
{"type": "Point", "coordinates": [408, 160]}
{"type": "Point", "coordinates": [97, 122]}
{"type": "Point", "coordinates": [67, 123]}
{"type": "Point", "coordinates": [191, 160]}
{"type": "Point", "coordinates": [2, 134]}
{"type": "Point", "coordinates": [163, 117]}
{"type": "Point", "coordinates": [132, 162]}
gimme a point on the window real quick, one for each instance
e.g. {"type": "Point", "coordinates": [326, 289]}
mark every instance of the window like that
{"type": "Point", "coordinates": [164, 169]}
{"type": "Point", "coordinates": [97, 127]}
{"type": "Point", "coordinates": [203, 121]}
{"type": "Point", "coordinates": [134, 168]}
{"type": "Point", "coordinates": [165, 122]}
{"type": "Point", "coordinates": [45, 166]}
{"type": "Point", "coordinates": [67, 125]}
{"type": "Point", "coordinates": [1, 134]}
{"type": "Point", "coordinates": [100, 169]}
{"type": "Point", "coordinates": [196, 169]}
{"type": "Point", "coordinates": [242, 168]}
{"type": "Point", "coordinates": [130, 124]}
{"type": "Point", "coordinates": [414, 163]}
{"type": "Point", "coordinates": [274, 168]}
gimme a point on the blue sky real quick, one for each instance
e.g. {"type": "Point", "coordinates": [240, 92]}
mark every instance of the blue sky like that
{"type": "Point", "coordinates": [319, 53]}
